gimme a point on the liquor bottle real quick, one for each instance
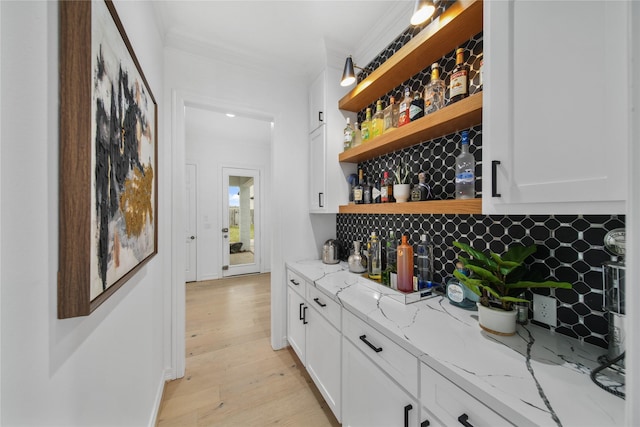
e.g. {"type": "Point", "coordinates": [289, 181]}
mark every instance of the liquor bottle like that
{"type": "Point", "coordinates": [425, 263]}
{"type": "Point", "coordinates": [377, 123]}
{"type": "Point", "coordinates": [390, 271]}
{"type": "Point", "coordinates": [425, 189]}
{"type": "Point", "coordinates": [404, 109]}
{"type": "Point", "coordinates": [434, 93]}
{"type": "Point", "coordinates": [384, 194]}
{"type": "Point", "coordinates": [348, 135]}
{"type": "Point", "coordinates": [458, 294]}
{"type": "Point", "coordinates": [417, 107]}
{"type": "Point", "coordinates": [366, 192]}
{"type": "Point", "coordinates": [390, 189]}
{"type": "Point", "coordinates": [465, 170]}
{"type": "Point", "coordinates": [365, 127]}
{"type": "Point", "coordinates": [390, 115]}
{"type": "Point", "coordinates": [358, 196]}
{"type": "Point", "coordinates": [374, 266]}
{"type": "Point", "coordinates": [405, 266]}
{"type": "Point", "coordinates": [376, 193]}
{"type": "Point", "coordinates": [357, 136]}
{"type": "Point", "coordinates": [415, 194]}
{"type": "Point", "coordinates": [459, 81]}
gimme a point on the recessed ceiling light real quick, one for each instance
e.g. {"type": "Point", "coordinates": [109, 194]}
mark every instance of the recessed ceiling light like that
{"type": "Point", "coordinates": [230, 115]}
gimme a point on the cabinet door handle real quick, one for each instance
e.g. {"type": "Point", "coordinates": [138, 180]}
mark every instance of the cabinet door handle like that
{"type": "Point", "coordinates": [294, 282]}
{"type": "Point", "coordinates": [320, 202]}
{"type": "Point", "coordinates": [406, 414]}
{"type": "Point", "coordinates": [494, 178]}
{"type": "Point", "coordinates": [425, 423]}
{"type": "Point", "coordinates": [320, 116]}
{"type": "Point", "coordinates": [363, 338]}
{"type": "Point", "coordinates": [300, 311]}
{"type": "Point", "coordinates": [317, 300]}
{"type": "Point", "coordinates": [304, 315]}
{"type": "Point", "coordinates": [462, 419]}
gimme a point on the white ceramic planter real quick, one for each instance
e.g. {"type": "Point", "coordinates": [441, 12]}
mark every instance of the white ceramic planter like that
{"type": "Point", "coordinates": [401, 192]}
{"type": "Point", "coordinates": [497, 321]}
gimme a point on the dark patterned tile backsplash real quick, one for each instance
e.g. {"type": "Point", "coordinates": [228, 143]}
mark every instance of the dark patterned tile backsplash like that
{"type": "Point", "coordinates": [570, 248]}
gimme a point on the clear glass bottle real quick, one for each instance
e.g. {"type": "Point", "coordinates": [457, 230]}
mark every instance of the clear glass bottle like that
{"type": "Point", "coordinates": [417, 107]}
{"type": "Point", "coordinates": [374, 265]}
{"type": "Point", "coordinates": [434, 92]}
{"type": "Point", "coordinates": [348, 135]}
{"type": "Point", "coordinates": [390, 115]}
{"type": "Point", "coordinates": [465, 170]}
{"type": "Point", "coordinates": [358, 196]}
{"type": "Point", "coordinates": [459, 80]}
{"type": "Point", "coordinates": [425, 263]}
{"type": "Point", "coordinates": [365, 127]}
{"type": "Point", "coordinates": [389, 273]}
{"type": "Point", "coordinates": [405, 266]}
{"type": "Point", "coordinates": [377, 122]}
{"type": "Point", "coordinates": [357, 136]}
{"type": "Point", "coordinates": [458, 294]}
{"type": "Point", "coordinates": [404, 108]}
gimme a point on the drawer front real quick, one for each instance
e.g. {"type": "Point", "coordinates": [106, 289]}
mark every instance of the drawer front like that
{"type": "Point", "coordinates": [297, 283]}
{"type": "Point", "coordinates": [327, 307]}
{"type": "Point", "coordinates": [452, 405]}
{"type": "Point", "coordinates": [393, 359]}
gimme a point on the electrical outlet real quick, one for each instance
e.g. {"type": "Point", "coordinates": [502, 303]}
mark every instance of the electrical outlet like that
{"type": "Point", "coordinates": [544, 310]}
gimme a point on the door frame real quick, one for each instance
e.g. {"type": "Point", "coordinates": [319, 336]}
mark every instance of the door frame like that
{"type": "Point", "coordinates": [257, 174]}
{"type": "Point", "coordinates": [175, 302]}
{"type": "Point", "coordinates": [195, 214]}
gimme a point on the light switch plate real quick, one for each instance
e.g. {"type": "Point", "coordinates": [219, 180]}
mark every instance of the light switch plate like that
{"type": "Point", "coordinates": [544, 310]}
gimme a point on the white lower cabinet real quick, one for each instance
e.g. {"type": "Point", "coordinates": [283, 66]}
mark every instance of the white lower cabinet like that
{"type": "Point", "coordinates": [452, 405]}
{"type": "Point", "coordinates": [296, 323]}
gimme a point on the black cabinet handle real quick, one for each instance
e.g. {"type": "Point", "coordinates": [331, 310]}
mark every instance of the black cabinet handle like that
{"type": "Point", "coordinates": [304, 315]}
{"type": "Point", "coordinates": [320, 116]}
{"type": "Point", "coordinates": [363, 338]}
{"type": "Point", "coordinates": [425, 423]}
{"type": "Point", "coordinates": [494, 178]}
{"type": "Point", "coordinates": [317, 300]}
{"type": "Point", "coordinates": [406, 414]}
{"type": "Point", "coordinates": [462, 419]}
{"type": "Point", "coordinates": [300, 311]}
{"type": "Point", "coordinates": [294, 282]}
{"type": "Point", "coordinates": [320, 203]}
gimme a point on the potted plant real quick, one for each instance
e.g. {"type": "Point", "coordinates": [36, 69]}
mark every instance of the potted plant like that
{"type": "Point", "coordinates": [499, 281]}
{"type": "Point", "coordinates": [402, 183]}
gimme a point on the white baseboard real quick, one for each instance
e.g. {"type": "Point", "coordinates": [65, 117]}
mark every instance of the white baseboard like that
{"type": "Point", "coordinates": [166, 375]}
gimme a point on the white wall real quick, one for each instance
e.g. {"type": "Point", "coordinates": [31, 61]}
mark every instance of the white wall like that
{"type": "Point", "coordinates": [210, 149]}
{"type": "Point", "coordinates": [295, 234]}
{"type": "Point", "coordinates": [107, 368]}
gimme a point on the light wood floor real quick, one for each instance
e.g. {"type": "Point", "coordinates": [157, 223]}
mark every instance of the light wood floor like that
{"type": "Point", "coordinates": [233, 376]}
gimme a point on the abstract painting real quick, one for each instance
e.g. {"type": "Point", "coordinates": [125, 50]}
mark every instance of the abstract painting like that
{"type": "Point", "coordinates": [108, 159]}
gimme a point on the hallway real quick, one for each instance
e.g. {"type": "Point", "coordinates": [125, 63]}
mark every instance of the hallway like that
{"type": "Point", "coordinates": [233, 376]}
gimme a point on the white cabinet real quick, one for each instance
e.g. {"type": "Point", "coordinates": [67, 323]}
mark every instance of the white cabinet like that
{"type": "Point", "coordinates": [452, 405]}
{"type": "Point", "coordinates": [324, 349]}
{"type": "Point", "coordinates": [328, 186]}
{"type": "Point", "coordinates": [556, 106]}
{"type": "Point", "coordinates": [297, 314]}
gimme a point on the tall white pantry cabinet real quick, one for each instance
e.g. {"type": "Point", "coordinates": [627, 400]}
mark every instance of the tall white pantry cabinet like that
{"type": "Point", "coordinates": [556, 107]}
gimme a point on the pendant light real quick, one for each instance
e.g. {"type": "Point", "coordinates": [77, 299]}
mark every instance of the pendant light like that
{"type": "Point", "coordinates": [423, 11]}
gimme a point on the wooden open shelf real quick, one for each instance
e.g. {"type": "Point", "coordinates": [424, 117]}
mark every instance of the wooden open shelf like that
{"type": "Point", "coordinates": [452, 118]}
{"type": "Point", "coordinates": [461, 21]}
{"type": "Point", "coordinates": [470, 206]}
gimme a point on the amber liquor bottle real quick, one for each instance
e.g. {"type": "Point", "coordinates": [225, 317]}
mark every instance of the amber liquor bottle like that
{"type": "Point", "coordinates": [459, 81]}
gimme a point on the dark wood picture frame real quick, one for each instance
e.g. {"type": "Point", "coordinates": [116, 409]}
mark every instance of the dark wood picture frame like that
{"type": "Point", "coordinates": [125, 141]}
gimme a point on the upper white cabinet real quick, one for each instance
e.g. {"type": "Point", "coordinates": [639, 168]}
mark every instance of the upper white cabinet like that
{"type": "Point", "coordinates": [556, 106]}
{"type": "Point", "coordinates": [328, 187]}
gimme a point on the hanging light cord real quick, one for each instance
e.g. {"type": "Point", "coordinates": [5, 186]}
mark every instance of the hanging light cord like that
{"type": "Point", "coordinates": [602, 367]}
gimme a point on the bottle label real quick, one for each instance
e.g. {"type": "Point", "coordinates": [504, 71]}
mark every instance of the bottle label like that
{"type": "Point", "coordinates": [365, 133]}
{"type": "Point", "coordinates": [383, 194]}
{"type": "Point", "coordinates": [464, 177]}
{"type": "Point", "coordinates": [458, 84]}
{"type": "Point", "coordinates": [357, 194]}
{"type": "Point", "coordinates": [455, 292]}
{"type": "Point", "coordinates": [376, 193]}
{"type": "Point", "coordinates": [415, 112]}
{"type": "Point", "coordinates": [404, 117]}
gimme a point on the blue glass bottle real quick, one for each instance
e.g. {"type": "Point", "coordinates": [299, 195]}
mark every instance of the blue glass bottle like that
{"type": "Point", "coordinates": [458, 294]}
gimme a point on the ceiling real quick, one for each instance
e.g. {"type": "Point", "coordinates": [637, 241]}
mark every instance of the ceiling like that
{"type": "Point", "coordinates": [286, 35]}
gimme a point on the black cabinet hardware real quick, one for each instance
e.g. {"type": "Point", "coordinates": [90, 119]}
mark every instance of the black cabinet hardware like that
{"type": "Point", "coordinates": [406, 414]}
{"type": "Point", "coordinates": [494, 178]}
{"type": "Point", "coordinates": [462, 419]}
{"type": "Point", "coordinates": [300, 311]}
{"type": "Point", "coordinates": [363, 338]}
{"type": "Point", "coordinates": [304, 315]}
{"type": "Point", "coordinates": [425, 423]}
{"type": "Point", "coordinates": [294, 282]}
{"type": "Point", "coordinates": [320, 116]}
{"type": "Point", "coordinates": [320, 203]}
{"type": "Point", "coordinates": [317, 300]}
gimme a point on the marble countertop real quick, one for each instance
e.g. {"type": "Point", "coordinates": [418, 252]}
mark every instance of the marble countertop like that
{"type": "Point", "coordinates": [535, 377]}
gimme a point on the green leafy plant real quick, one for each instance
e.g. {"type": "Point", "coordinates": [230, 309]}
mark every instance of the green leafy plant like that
{"type": "Point", "coordinates": [498, 278]}
{"type": "Point", "coordinates": [402, 175]}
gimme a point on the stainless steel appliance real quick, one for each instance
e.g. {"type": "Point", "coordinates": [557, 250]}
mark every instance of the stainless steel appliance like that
{"type": "Point", "coordinates": [613, 277]}
{"type": "Point", "coordinates": [330, 251]}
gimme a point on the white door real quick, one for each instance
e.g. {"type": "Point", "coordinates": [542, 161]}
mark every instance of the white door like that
{"type": "Point", "coordinates": [190, 224]}
{"type": "Point", "coordinates": [240, 221]}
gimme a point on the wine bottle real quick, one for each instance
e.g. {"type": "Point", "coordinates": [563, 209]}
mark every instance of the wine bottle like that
{"type": "Point", "coordinates": [357, 190]}
{"type": "Point", "coordinates": [459, 81]}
